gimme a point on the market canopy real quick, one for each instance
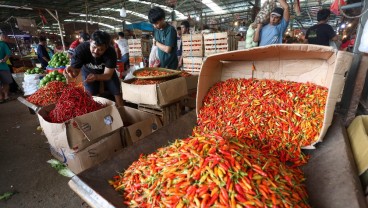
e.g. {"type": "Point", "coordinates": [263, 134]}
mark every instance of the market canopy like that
{"type": "Point", "coordinates": [145, 26]}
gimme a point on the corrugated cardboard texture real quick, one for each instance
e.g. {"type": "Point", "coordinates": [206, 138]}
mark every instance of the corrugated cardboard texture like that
{"type": "Point", "coordinates": [358, 136]}
{"type": "Point", "coordinates": [192, 82]}
{"type": "Point", "coordinates": [92, 126]}
{"type": "Point", "coordinates": [295, 62]}
{"type": "Point", "coordinates": [90, 156]}
{"type": "Point", "coordinates": [138, 124]}
{"type": "Point", "coordinates": [157, 94]}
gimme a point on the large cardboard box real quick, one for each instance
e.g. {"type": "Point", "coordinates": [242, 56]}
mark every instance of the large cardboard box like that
{"type": "Point", "coordinates": [161, 94]}
{"type": "Point", "coordinates": [137, 124]}
{"type": "Point", "coordinates": [192, 82]}
{"type": "Point", "coordinates": [321, 65]}
{"type": "Point", "coordinates": [82, 131]}
{"type": "Point", "coordinates": [90, 156]}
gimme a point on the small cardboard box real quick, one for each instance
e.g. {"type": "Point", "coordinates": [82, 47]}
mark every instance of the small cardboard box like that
{"type": "Point", "coordinates": [192, 82]}
{"type": "Point", "coordinates": [137, 124]}
{"type": "Point", "coordinates": [161, 94]}
{"type": "Point", "coordinates": [90, 156]}
{"type": "Point", "coordinates": [82, 131]}
{"type": "Point", "coordinates": [321, 65]}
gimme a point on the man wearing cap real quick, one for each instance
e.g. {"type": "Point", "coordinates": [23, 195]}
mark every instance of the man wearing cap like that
{"type": "Point", "coordinates": [321, 33]}
{"type": "Point", "coordinates": [82, 38]}
{"type": "Point", "coordinates": [272, 32]}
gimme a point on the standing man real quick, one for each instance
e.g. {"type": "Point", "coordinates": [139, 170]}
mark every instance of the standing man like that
{"type": "Point", "coordinates": [321, 33]}
{"type": "Point", "coordinates": [184, 29]}
{"type": "Point", "coordinates": [5, 75]}
{"type": "Point", "coordinates": [42, 54]}
{"type": "Point", "coordinates": [272, 32]}
{"type": "Point", "coordinates": [124, 50]}
{"type": "Point", "coordinates": [82, 38]}
{"type": "Point", "coordinates": [97, 59]}
{"type": "Point", "coordinates": [165, 38]}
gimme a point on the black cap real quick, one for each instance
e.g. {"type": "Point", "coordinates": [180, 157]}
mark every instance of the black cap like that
{"type": "Point", "coordinates": [278, 12]}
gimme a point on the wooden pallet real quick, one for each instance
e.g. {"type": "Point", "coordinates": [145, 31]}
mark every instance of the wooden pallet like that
{"type": "Point", "coordinates": [139, 47]}
{"type": "Point", "coordinates": [167, 114]}
{"type": "Point", "coordinates": [192, 65]}
{"type": "Point", "coordinates": [219, 43]}
{"type": "Point", "coordinates": [192, 45]}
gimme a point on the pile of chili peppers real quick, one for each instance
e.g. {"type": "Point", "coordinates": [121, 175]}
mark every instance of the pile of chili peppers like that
{"type": "Point", "coordinates": [73, 102]}
{"type": "Point", "coordinates": [151, 72]}
{"type": "Point", "coordinates": [148, 81]}
{"type": "Point", "coordinates": [210, 171]}
{"type": "Point", "coordinates": [282, 116]}
{"type": "Point", "coordinates": [47, 95]}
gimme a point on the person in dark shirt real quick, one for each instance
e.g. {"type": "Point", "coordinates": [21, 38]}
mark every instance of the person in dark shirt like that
{"type": "Point", "coordinates": [165, 38]}
{"type": "Point", "coordinates": [321, 33]}
{"type": "Point", "coordinates": [42, 54]}
{"type": "Point", "coordinates": [97, 61]}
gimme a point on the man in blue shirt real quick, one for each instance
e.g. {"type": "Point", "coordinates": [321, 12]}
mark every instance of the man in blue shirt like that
{"type": "Point", "coordinates": [272, 33]}
{"type": "Point", "coordinates": [165, 38]}
{"type": "Point", "coordinates": [5, 75]}
{"type": "Point", "coordinates": [42, 54]}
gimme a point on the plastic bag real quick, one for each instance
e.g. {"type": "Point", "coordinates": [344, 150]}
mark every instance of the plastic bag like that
{"type": "Point", "coordinates": [335, 6]}
{"type": "Point", "coordinates": [30, 83]}
{"type": "Point", "coordinates": [363, 46]}
{"type": "Point", "coordinates": [130, 71]}
{"type": "Point", "coordinates": [154, 61]}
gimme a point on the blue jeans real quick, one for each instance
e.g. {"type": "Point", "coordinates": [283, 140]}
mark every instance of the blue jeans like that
{"type": "Point", "coordinates": [125, 60]}
{"type": "Point", "coordinates": [113, 85]}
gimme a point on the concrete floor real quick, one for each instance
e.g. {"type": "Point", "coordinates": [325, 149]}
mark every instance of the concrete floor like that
{"type": "Point", "coordinates": [23, 167]}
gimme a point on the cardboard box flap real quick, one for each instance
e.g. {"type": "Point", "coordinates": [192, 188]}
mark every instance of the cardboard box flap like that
{"type": "Point", "coordinates": [139, 93]}
{"type": "Point", "coordinates": [143, 128]}
{"type": "Point", "coordinates": [94, 125]}
{"type": "Point", "coordinates": [132, 115]}
{"type": "Point", "coordinates": [56, 131]}
{"type": "Point", "coordinates": [172, 90]}
{"type": "Point", "coordinates": [358, 136]}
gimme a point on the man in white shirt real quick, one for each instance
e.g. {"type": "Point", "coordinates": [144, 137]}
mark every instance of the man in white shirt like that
{"type": "Point", "coordinates": [124, 49]}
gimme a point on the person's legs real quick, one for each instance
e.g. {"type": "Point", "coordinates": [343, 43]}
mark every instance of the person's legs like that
{"type": "Point", "coordinates": [114, 87]}
{"type": "Point", "coordinates": [125, 60]}
{"type": "Point", "coordinates": [5, 79]}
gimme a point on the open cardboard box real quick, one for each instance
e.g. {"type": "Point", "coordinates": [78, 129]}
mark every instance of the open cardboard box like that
{"type": "Point", "coordinates": [137, 124]}
{"type": "Point", "coordinates": [161, 94]}
{"type": "Point", "coordinates": [87, 129]}
{"type": "Point", "coordinates": [321, 65]}
{"type": "Point", "coordinates": [91, 155]}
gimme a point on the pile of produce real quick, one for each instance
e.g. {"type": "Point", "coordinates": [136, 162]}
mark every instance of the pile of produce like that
{"type": "Point", "coordinates": [152, 73]}
{"type": "Point", "coordinates": [35, 70]}
{"type": "Point", "coordinates": [47, 95]}
{"type": "Point", "coordinates": [282, 116]}
{"type": "Point", "coordinates": [52, 76]}
{"type": "Point", "coordinates": [210, 171]}
{"type": "Point", "coordinates": [73, 102]}
{"type": "Point", "coordinates": [148, 81]}
{"type": "Point", "coordinates": [58, 60]}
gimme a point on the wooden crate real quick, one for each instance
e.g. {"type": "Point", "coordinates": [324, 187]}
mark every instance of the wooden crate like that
{"type": "Point", "coordinates": [219, 43]}
{"type": "Point", "coordinates": [139, 47]}
{"type": "Point", "coordinates": [135, 60]}
{"type": "Point", "coordinates": [167, 114]}
{"type": "Point", "coordinates": [192, 45]}
{"type": "Point", "coordinates": [192, 64]}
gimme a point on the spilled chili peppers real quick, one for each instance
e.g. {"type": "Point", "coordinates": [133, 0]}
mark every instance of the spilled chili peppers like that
{"type": "Point", "coordinates": [47, 95]}
{"type": "Point", "coordinates": [281, 116]}
{"type": "Point", "coordinates": [211, 171]}
{"type": "Point", "coordinates": [73, 102]}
